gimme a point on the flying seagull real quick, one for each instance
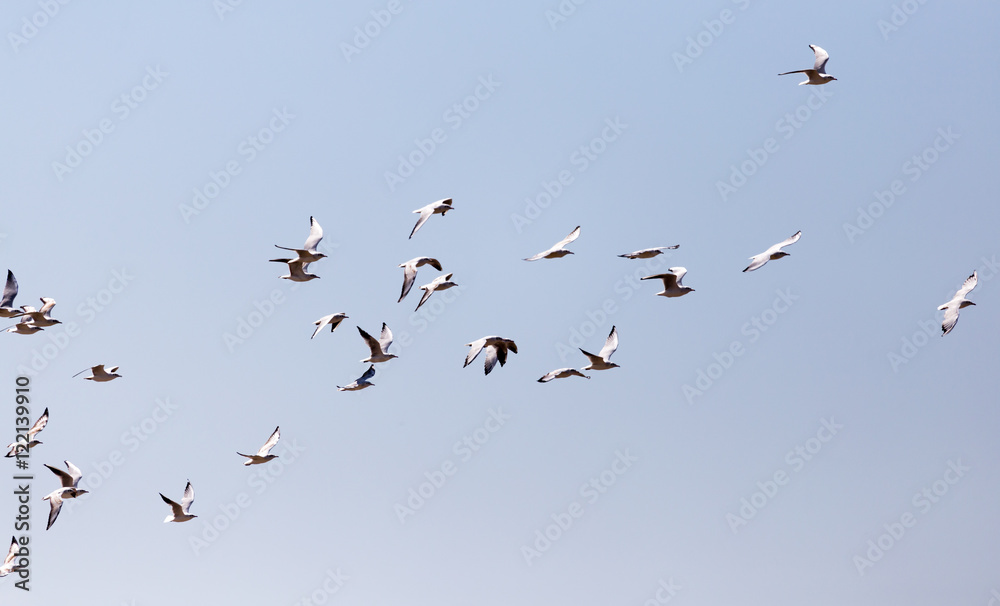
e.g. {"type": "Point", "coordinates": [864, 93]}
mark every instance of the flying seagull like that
{"type": "Point", "coordinates": [439, 283]}
{"type": "Point", "coordinates": [30, 441]}
{"type": "Point", "coordinates": [68, 490]}
{"type": "Point", "coordinates": [772, 253]}
{"type": "Point", "coordinates": [646, 253]}
{"type": "Point", "coordinates": [817, 75]}
{"type": "Point", "coordinates": [182, 512]}
{"type": "Point", "coordinates": [410, 272]}
{"type": "Point", "coordinates": [296, 270]}
{"type": "Point", "coordinates": [362, 381]}
{"type": "Point", "coordinates": [434, 208]}
{"type": "Point", "coordinates": [8, 562]}
{"type": "Point", "coordinates": [562, 373]}
{"type": "Point", "coordinates": [672, 286]}
{"type": "Point", "coordinates": [379, 348]}
{"type": "Point", "coordinates": [308, 253]}
{"type": "Point", "coordinates": [99, 374]}
{"type": "Point", "coordinates": [24, 326]}
{"type": "Point", "coordinates": [558, 250]}
{"type": "Point", "coordinates": [42, 317]}
{"type": "Point", "coordinates": [262, 455]}
{"type": "Point", "coordinates": [7, 309]}
{"type": "Point", "coordinates": [957, 302]}
{"type": "Point", "coordinates": [333, 320]}
{"type": "Point", "coordinates": [602, 361]}
{"type": "Point", "coordinates": [496, 350]}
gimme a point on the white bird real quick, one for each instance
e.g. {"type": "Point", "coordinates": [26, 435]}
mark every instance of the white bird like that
{"type": "Point", "coordinates": [308, 253]}
{"type": "Point", "coordinates": [8, 562]}
{"type": "Point", "coordinates": [362, 381]}
{"type": "Point", "coordinates": [56, 498]}
{"type": "Point", "coordinates": [410, 272]}
{"type": "Point", "coordinates": [672, 286]}
{"type": "Point", "coordinates": [379, 348]}
{"type": "Point", "coordinates": [772, 253]}
{"type": "Point", "coordinates": [817, 75]}
{"type": "Point", "coordinates": [296, 270]}
{"type": "Point", "coordinates": [182, 512]}
{"type": "Point", "coordinates": [24, 327]}
{"type": "Point", "coordinates": [99, 374]}
{"type": "Point", "coordinates": [29, 441]}
{"type": "Point", "coordinates": [68, 490]}
{"type": "Point", "coordinates": [262, 455]}
{"type": "Point", "coordinates": [439, 283]}
{"type": "Point", "coordinates": [957, 302]}
{"type": "Point", "coordinates": [434, 208]}
{"type": "Point", "coordinates": [602, 361]}
{"type": "Point", "coordinates": [559, 249]}
{"type": "Point", "coordinates": [496, 350]}
{"type": "Point", "coordinates": [647, 253]}
{"type": "Point", "coordinates": [562, 373]}
{"type": "Point", "coordinates": [7, 309]}
{"type": "Point", "coordinates": [42, 317]}
{"type": "Point", "coordinates": [333, 320]}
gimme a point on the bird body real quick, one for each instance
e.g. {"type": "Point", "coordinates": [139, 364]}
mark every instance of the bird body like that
{"type": "Point", "coordinates": [956, 303]}
{"type": "Point", "coordinates": [333, 320]}
{"type": "Point", "coordinates": [362, 381]}
{"type": "Point", "coordinates": [648, 253]}
{"type": "Point", "coordinates": [775, 252]}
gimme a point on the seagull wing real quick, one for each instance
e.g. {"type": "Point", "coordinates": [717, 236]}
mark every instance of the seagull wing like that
{"type": "Point", "coordinates": [266, 448]}
{"type": "Point", "coordinates": [74, 473]}
{"type": "Point", "coordinates": [64, 478]}
{"type": "Point", "coordinates": [430, 261]}
{"type": "Point", "coordinates": [476, 346]}
{"type": "Point", "coordinates": [792, 240]}
{"type": "Point", "coordinates": [315, 235]}
{"type": "Point", "coordinates": [821, 58]}
{"type": "Point", "coordinates": [669, 280]}
{"type": "Point", "coordinates": [968, 285]}
{"type": "Point", "coordinates": [757, 261]}
{"type": "Point", "coordinates": [188, 498]}
{"type": "Point", "coordinates": [385, 340]}
{"type": "Point", "coordinates": [320, 324]}
{"type": "Point", "coordinates": [679, 273]}
{"type": "Point", "coordinates": [368, 374]}
{"type": "Point", "coordinates": [9, 291]}
{"type": "Point", "coordinates": [373, 345]}
{"type": "Point", "coordinates": [573, 235]}
{"type": "Point", "coordinates": [11, 553]}
{"type": "Point", "coordinates": [593, 359]}
{"type": "Point", "coordinates": [47, 305]}
{"type": "Point", "coordinates": [178, 510]}
{"type": "Point", "coordinates": [39, 424]}
{"type": "Point", "coordinates": [798, 71]}
{"type": "Point", "coordinates": [950, 318]}
{"type": "Point", "coordinates": [491, 358]}
{"type": "Point", "coordinates": [425, 213]}
{"type": "Point", "coordinates": [611, 345]}
{"type": "Point", "coordinates": [56, 502]}
{"type": "Point", "coordinates": [409, 276]}
{"type": "Point", "coordinates": [428, 291]}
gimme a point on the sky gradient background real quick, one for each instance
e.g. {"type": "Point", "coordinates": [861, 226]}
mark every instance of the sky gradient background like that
{"type": "Point", "coordinates": [153, 281]}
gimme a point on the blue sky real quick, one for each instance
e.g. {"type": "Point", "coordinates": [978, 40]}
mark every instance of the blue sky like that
{"type": "Point", "coordinates": [796, 434]}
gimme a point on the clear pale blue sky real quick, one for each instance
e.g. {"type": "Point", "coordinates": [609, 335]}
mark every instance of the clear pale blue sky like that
{"type": "Point", "coordinates": [266, 100]}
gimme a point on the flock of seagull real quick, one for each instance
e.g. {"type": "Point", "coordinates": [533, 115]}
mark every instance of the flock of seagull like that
{"type": "Point", "coordinates": [33, 320]}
